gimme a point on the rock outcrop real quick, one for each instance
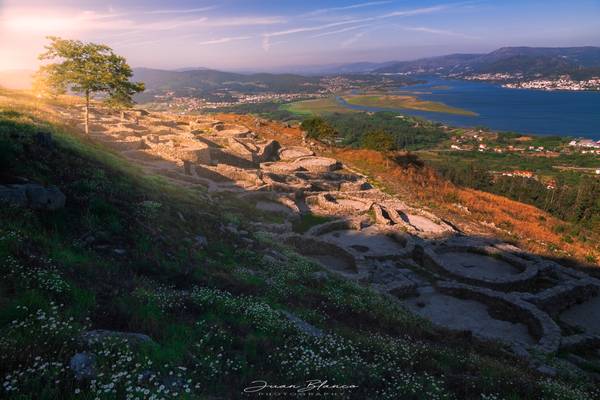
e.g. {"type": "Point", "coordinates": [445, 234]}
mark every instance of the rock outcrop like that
{"type": "Point", "coordinates": [33, 196]}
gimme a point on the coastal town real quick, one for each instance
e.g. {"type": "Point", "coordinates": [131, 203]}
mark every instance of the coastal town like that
{"type": "Point", "coordinates": [519, 81]}
{"type": "Point", "coordinates": [185, 104]}
{"type": "Point", "coordinates": [558, 84]}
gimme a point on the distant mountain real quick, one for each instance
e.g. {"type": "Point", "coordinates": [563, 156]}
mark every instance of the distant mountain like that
{"type": "Point", "coordinates": [526, 61]}
{"type": "Point", "coordinates": [16, 78]}
{"type": "Point", "coordinates": [333, 69]}
{"type": "Point", "coordinates": [210, 83]}
{"type": "Point", "coordinates": [185, 69]}
{"type": "Point", "coordinates": [430, 65]}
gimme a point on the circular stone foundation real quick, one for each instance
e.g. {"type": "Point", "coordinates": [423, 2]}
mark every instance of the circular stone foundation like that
{"type": "Point", "coordinates": [511, 308]}
{"type": "Point", "coordinates": [371, 241]}
{"type": "Point", "coordinates": [484, 266]}
{"type": "Point", "coordinates": [480, 266]}
{"type": "Point", "coordinates": [292, 153]}
{"type": "Point", "coordinates": [274, 207]}
{"type": "Point", "coordinates": [327, 254]}
{"type": "Point", "coordinates": [585, 316]}
{"type": "Point", "coordinates": [317, 164]}
{"type": "Point", "coordinates": [336, 204]}
{"type": "Point", "coordinates": [466, 314]}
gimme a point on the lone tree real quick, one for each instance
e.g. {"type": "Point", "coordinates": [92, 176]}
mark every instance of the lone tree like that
{"type": "Point", "coordinates": [89, 69]}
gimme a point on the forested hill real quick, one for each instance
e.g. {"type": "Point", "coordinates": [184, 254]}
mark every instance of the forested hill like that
{"type": "Point", "coordinates": [529, 61]}
{"type": "Point", "coordinates": [207, 82]}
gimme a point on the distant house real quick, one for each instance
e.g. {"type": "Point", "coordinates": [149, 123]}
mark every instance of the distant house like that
{"type": "Point", "coordinates": [520, 174]}
{"type": "Point", "coordinates": [551, 184]}
{"type": "Point", "coordinates": [588, 143]}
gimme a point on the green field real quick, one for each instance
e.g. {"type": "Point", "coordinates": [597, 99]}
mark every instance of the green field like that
{"type": "Point", "coordinates": [409, 102]}
{"type": "Point", "coordinates": [316, 107]}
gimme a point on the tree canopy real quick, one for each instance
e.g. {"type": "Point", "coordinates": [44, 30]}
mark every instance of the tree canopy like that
{"type": "Point", "coordinates": [88, 69]}
{"type": "Point", "coordinates": [318, 128]}
{"type": "Point", "coordinates": [378, 140]}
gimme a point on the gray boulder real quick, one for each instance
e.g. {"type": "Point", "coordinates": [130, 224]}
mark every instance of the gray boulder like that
{"type": "Point", "coordinates": [13, 196]}
{"type": "Point", "coordinates": [41, 198]}
{"type": "Point", "coordinates": [319, 276]}
{"type": "Point", "coordinates": [33, 195]}
{"type": "Point", "coordinates": [98, 335]}
{"type": "Point", "coordinates": [83, 365]}
{"type": "Point", "coordinates": [201, 241]}
{"type": "Point", "coordinates": [303, 326]}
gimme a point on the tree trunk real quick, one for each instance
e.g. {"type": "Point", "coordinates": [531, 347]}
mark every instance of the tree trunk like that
{"type": "Point", "coordinates": [122, 115]}
{"type": "Point", "coordinates": [87, 112]}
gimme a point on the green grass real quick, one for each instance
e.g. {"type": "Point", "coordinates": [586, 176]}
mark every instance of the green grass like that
{"type": "Point", "coordinates": [546, 167]}
{"type": "Point", "coordinates": [407, 102]}
{"type": "Point", "coordinates": [307, 221]}
{"type": "Point", "coordinates": [213, 313]}
{"type": "Point", "coordinates": [322, 106]}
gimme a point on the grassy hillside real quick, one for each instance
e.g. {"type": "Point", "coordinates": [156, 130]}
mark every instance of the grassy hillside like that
{"type": "Point", "coordinates": [581, 62]}
{"type": "Point", "coordinates": [208, 83]}
{"type": "Point", "coordinates": [132, 253]}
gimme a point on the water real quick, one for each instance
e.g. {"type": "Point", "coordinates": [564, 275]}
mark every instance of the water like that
{"type": "Point", "coordinates": [525, 111]}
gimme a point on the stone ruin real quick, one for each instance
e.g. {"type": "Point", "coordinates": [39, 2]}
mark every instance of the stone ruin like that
{"type": "Point", "coordinates": [488, 288]}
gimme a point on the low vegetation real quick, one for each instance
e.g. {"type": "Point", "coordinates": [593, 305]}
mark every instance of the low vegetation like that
{"type": "Point", "coordinates": [131, 253]}
{"type": "Point", "coordinates": [406, 132]}
{"type": "Point", "coordinates": [573, 197]}
{"type": "Point", "coordinates": [404, 101]}
{"type": "Point", "coordinates": [323, 106]}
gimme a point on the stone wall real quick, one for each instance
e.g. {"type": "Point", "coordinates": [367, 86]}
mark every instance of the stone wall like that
{"type": "Point", "coordinates": [313, 247]}
{"type": "Point", "coordinates": [566, 294]}
{"type": "Point", "coordinates": [432, 259]}
{"type": "Point", "coordinates": [511, 308]}
{"type": "Point", "coordinates": [338, 225]}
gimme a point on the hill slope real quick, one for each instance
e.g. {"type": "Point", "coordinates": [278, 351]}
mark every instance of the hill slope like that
{"type": "Point", "coordinates": [528, 61]}
{"type": "Point", "coordinates": [206, 82]}
{"type": "Point", "coordinates": [141, 286]}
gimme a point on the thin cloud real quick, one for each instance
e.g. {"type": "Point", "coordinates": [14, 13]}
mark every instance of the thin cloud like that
{"type": "Point", "coordinates": [351, 28]}
{"type": "Point", "coordinates": [395, 14]}
{"type": "Point", "coordinates": [417, 11]}
{"type": "Point", "coordinates": [434, 31]}
{"type": "Point", "coordinates": [70, 21]}
{"type": "Point", "coordinates": [350, 7]}
{"type": "Point", "coordinates": [224, 40]}
{"type": "Point", "coordinates": [267, 44]}
{"type": "Point", "coordinates": [181, 11]}
{"type": "Point", "coordinates": [353, 39]}
{"type": "Point", "coordinates": [311, 28]}
{"type": "Point", "coordinates": [244, 21]}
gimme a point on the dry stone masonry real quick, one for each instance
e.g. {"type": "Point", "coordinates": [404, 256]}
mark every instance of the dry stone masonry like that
{"type": "Point", "coordinates": [489, 288]}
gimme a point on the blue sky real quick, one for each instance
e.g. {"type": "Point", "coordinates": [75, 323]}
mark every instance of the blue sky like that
{"type": "Point", "coordinates": [266, 34]}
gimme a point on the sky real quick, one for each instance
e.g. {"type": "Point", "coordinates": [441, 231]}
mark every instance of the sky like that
{"type": "Point", "coordinates": [271, 34]}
